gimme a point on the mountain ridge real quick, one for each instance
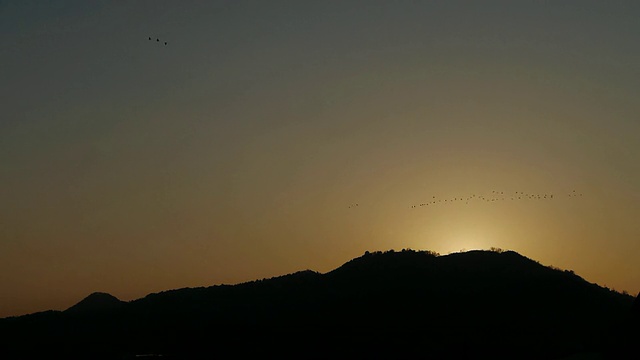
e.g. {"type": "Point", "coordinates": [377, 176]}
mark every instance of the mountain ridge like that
{"type": "Point", "coordinates": [94, 297]}
{"type": "Point", "coordinates": [378, 298]}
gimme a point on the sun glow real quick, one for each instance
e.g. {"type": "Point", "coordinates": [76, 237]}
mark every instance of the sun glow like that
{"type": "Point", "coordinates": [464, 243]}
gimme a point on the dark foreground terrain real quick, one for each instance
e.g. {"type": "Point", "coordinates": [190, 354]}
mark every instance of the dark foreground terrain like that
{"type": "Point", "coordinates": [478, 304]}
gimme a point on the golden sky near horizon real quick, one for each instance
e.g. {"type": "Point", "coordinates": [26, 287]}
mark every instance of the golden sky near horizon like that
{"type": "Point", "coordinates": [237, 150]}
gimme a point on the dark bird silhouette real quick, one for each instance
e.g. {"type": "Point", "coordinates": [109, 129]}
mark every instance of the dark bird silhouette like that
{"type": "Point", "coordinates": [165, 43]}
{"type": "Point", "coordinates": [158, 40]}
{"type": "Point", "coordinates": [149, 37]}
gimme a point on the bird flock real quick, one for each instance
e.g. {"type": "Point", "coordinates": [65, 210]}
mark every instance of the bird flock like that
{"type": "Point", "coordinates": [493, 197]}
{"type": "Point", "coordinates": [157, 40]}
{"type": "Point", "coordinates": [490, 198]}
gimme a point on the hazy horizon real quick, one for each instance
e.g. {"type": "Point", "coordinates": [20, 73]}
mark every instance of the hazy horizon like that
{"type": "Point", "coordinates": [238, 150]}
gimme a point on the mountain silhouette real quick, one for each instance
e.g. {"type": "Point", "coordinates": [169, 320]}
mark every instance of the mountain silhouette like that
{"type": "Point", "coordinates": [95, 303]}
{"type": "Point", "coordinates": [393, 304]}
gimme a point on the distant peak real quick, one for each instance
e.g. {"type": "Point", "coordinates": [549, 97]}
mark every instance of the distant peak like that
{"type": "Point", "coordinates": [96, 301]}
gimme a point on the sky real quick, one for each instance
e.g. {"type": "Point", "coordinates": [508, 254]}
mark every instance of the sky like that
{"type": "Point", "coordinates": [239, 150]}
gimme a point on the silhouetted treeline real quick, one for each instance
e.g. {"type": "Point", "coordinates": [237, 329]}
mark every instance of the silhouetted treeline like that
{"type": "Point", "coordinates": [405, 304]}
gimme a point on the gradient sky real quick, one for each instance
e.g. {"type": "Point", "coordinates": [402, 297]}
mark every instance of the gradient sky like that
{"type": "Point", "coordinates": [234, 152]}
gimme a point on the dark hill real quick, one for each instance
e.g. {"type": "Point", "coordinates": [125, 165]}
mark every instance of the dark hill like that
{"type": "Point", "coordinates": [404, 304]}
